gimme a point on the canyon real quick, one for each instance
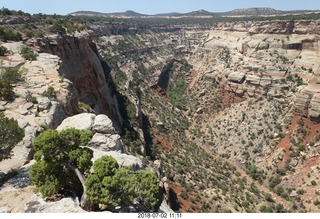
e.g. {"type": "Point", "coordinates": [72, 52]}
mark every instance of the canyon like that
{"type": "Point", "coordinates": [247, 84]}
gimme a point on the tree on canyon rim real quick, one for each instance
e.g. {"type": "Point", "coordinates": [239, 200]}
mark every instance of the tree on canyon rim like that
{"type": "Point", "coordinates": [61, 162]}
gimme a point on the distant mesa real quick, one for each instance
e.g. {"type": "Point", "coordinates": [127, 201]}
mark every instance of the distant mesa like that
{"type": "Point", "coordinates": [253, 12]}
{"type": "Point", "coordinates": [198, 13]}
{"type": "Point", "coordinates": [128, 13]}
{"type": "Point", "coordinates": [133, 14]}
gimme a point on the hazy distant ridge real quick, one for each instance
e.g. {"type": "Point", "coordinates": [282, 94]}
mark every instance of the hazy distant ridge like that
{"type": "Point", "coordinates": [199, 13]}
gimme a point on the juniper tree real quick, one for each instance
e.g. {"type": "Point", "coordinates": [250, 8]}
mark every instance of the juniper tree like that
{"type": "Point", "coordinates": [113, 186]}
{"type": "Point", "coordinates": [10, 135]}
{"type": "Point", "coordinates": [61, 162]}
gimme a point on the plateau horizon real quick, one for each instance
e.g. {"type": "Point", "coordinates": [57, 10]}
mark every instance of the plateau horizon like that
{"type": "Point", "coordinates": [152, 7]}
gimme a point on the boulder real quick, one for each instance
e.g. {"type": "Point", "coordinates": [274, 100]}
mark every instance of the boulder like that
{"type": "Point", "coordinates": [42, 122]}
{"type": "Point", "coordinates": [103, 124]}
{"type": "Point", "coordinates": [56, 114]}
{"type": "Point", "coordinates": [80, 121]}
{"type": "Point", "coordinates": [123, 159]}
{"type": "Point", "coordinates": [14, 47]}
{"type": "Point", "coordinates": [27, 106]}
{"type": "Point", "coordinates": [293, 194]}
{"type": "Point", "coordinates": [43, 103]}
{"type": "Point", "coordinates": [51, 118]}
{"type": "Point", "coordinates": [68, 95]}
{"type": "Point", "coordinates": [250, 89]}
{"type": "Point", "coordinates": [236, 77]}
{"type": "Point", "coordinates": [253, 79]}
{"type": "Point", "coordinates": [262, 46]}
{"type": "Point", "coordinates": [4, 210]}
{"type": "Point", "coordinates": [314, 110]}
{"type": "Point", "coordinates": [106, 142]}
{"type": "Point", "coordinates": [22, 111]}
{"type": "Point", "coordinates": [18, 181]}
{"type": "Point", "coordinates": [160, 125]}
{"type": "Point", "coordinates": [158, 168]}
{"type": "Point", "coordinates": [199, 110]}
{"type": "Point", "coordinates": [22, 123]}
{"type": "Point", "coordinates": [29, 135]}
{"type": "Point", "coordinates": [65, 205]}
{"type": "Point", "coordinates": [265, 81]}
{"type": "Point", "coordinates": [165, 208]}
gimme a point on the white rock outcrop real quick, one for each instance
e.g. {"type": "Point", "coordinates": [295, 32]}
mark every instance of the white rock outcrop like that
{"type": "Point", "coordinates": [51, 115]}
{"type": "Point", "coordinates": [80, 121]}
{"type": "Point", "coordinates": [165, 208]}
{"type": "Point", "coordinates": [65, 205]}
{"type": "Point", "coordinates": [106, 142]}
{"type": "Point", "coordinates": [103, 124]}
{"type": "Point", "coordinates": [123, 159]}
{"type": "Point", "coordinates": [105, 137]}
{"type": "Point", "coordinates": [236, 77]}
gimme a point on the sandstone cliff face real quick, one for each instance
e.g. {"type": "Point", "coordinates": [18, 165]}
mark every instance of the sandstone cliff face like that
{"type": "Point", "coordinates": [278, 59]}
{"type": "Point", "coordinates": [307, 101]}
{"type": "Point", "coordinates": [271, 27]}
{"type": "Point", "coordinates": [82, 65]}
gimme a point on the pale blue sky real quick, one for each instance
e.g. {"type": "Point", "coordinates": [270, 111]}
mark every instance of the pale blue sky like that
{"type": "Point", "coordinates": [151, 6]}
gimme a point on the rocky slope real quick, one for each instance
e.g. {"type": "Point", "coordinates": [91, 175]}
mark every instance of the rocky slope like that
{"type": "Point", "coordinates": [37, 115]}
{"type": "Point", "coordinates": [272, 68]}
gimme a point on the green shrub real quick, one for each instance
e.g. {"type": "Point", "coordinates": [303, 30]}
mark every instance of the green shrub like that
{"type": "Point", "coordinates": [9, 35]}
{"type": "Point", "coordinates": [5, 11]}
{"type": "Point", "coordinates": [3, 51]}
{"type": "Point", "coordinates": [268, 197]}
{"type": "Point", "coordinates": [6, 90]}
{"type": "Point", "coordinates": [176, 94]}
{"type": "Point", "coordinates": [114, 186]}
{"type": "Point", "coordinates": [11, 74]}
{"type": "Point", "coordinates": [30, 98]}
{"type": "Point", "coordinates": [10, 135]}
{"type": "Point", "coordinates": [130, 109]}
{"type": "Point", "coordinates": [274, 181]}
{"type": "Point", "coordinates": [39, 34]}
{"type": "Point", "coordinates": [280, 208]}
{"type": "Point", "coordinates": [84, 107]}
{"type": "Point", "coordinates": [316, 202]}
{"type": "Point", "coordinates": [60, 160]}
{"type": "Point", "coordinates": [28, 53]}
{"type": "Point", "coordinates": [57, 28]}
{"type": "Point", "coordinates": [266, 209]}
{"type": "Point", "coordinates": [184, 194]}
{"type": "Point", "coordinates": [8, 76]}
{"type": "Point", "coordinates": [253, 171]}
{"type": "Point", "coordinates": [50, 93]}
{"type": "Point", "coordinates": [301, 191]}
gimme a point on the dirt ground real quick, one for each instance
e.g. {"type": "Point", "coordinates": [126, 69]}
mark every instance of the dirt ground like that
{"type": "Point", "coordinates": [15, 200]}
